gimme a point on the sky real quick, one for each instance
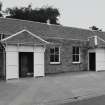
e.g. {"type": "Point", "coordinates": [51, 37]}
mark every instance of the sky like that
{"type": "Point", "coordinates": [74, 13]}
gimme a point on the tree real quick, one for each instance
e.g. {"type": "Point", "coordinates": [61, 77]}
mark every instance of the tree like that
{"type": "Point", "coordinates": [39, 14]}
{"type": "Point", "coordinates": [95, 28]}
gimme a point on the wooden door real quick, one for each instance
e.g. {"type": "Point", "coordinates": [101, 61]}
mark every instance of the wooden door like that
{"type": "Point", "coordinates": [11, 65]}
{"type": "Point", "coordinates": [39, 62]}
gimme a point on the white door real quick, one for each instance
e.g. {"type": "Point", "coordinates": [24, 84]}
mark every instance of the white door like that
{"type": "Point", "coordinates": [39, 63]}
{"type": "Point", "coordinates": [11, 65]}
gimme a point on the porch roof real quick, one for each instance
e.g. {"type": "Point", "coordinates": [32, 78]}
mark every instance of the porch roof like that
{"type": "Point", "coordinates": [96, 42]}
{"type": "Point", "coordinates": [24, 37]}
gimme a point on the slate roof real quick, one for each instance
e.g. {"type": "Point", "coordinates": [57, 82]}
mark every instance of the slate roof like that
{"type": "Point", "coordinates": [45, 31]}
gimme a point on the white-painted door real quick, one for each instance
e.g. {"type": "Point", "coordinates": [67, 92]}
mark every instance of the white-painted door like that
{"type": "Point", "coordinates": [39, 64]}
{"type": "Point", "coordinates": [12, 65]}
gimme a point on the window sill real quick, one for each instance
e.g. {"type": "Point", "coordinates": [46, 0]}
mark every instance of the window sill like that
{"type": "Point", "coordinates": [55, 63]}
{"type": "Point", "coordinates": [76, 62]}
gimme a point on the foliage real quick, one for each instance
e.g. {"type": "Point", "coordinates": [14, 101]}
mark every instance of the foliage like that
{"type": "Point", "coordinates": [39, 14]}
{"type": "Point", "coordinates": [95, 28]}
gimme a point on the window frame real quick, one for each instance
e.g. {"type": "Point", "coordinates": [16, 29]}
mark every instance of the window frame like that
{"type": "Point", "coordinates": [75, 54]}
{"type": "Point", "coordinates": [51, 62]}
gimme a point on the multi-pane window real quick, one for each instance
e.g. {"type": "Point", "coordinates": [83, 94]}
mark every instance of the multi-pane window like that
{"type": "Point", "coordinates": [76, 54]}
{"type": "Point", "coordinates": [54, 54]}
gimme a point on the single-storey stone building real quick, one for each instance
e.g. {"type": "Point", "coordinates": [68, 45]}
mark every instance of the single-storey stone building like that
{"type": "Point", "coordinates": [35, 49]}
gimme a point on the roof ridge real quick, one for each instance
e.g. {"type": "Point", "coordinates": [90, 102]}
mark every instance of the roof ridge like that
{"type": "Point", "coordinates": [23, 20]}
{"type": "Point", "coordinates": [79, 28]}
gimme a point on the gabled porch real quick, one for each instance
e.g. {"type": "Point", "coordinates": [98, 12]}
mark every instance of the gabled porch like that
{"type": "Point", "coordinates": [96, 54]}
{"type": "Point", "coordinates": [24, 55]}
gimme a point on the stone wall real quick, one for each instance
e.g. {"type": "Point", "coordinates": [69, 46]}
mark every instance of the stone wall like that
{"type": "Point", "coordinates": [66, 64]}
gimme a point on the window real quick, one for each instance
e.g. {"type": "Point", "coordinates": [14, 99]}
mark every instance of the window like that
{"type": "Point", "coordinates": [54, 55]}
{"type": "Point", "coordinates": [76, 54]}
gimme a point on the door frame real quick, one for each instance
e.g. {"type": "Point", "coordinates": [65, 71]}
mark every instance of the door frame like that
{"type": "Point", "coordinates": [89, 60]}
{"type": "Point", "coordinates": [20, 64]}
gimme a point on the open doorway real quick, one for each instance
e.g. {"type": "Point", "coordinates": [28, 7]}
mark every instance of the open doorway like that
{"type": "Point", "coordinates": [92, 61]}
{"type": "Point", "coordinates": [26, 67]}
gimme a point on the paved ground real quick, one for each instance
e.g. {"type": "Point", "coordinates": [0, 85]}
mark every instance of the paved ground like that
{"type": "Point", "coordinates": [98, 100]}
{"type": "Point", "coordinates": [53, 89]}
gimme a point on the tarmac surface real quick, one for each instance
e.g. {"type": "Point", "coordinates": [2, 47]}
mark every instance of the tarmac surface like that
{"type": "Point", "coordinates": [98, 100]}
{"type": "Point", "coordinates": [53, 89]}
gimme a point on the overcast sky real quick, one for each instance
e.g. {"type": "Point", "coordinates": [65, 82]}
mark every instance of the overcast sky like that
{"type": "Point", "coordinates": [74, 13]}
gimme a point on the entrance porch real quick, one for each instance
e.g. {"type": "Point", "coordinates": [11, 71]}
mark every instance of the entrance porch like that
{"type": "Point", "coordinates": [96, 59]}
{"type": "Point", "coordinates": [24, 61]}
{"type": "Point", "coordinates": [24, 55]}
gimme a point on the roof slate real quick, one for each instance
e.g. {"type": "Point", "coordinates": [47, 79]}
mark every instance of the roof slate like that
{"type": "Point", "coordinates": [12, 26]}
